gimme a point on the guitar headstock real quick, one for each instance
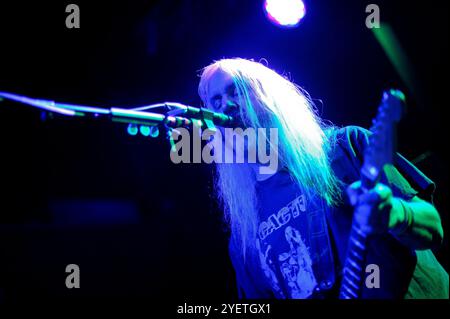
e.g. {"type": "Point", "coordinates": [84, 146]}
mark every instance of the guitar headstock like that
{"type": "Point", "coordinates": [382, 141]}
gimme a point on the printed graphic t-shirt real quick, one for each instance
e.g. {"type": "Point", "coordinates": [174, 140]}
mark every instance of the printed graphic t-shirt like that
{"type": "Point", "coordinates": [293, 243]}
{"type": "Point", "coordinates": [301, 242]}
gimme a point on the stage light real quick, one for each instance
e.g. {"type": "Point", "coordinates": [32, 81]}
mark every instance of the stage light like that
{"type": "Point", "coordinates": [285, 13]}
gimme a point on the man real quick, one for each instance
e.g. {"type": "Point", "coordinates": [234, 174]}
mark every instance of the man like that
{"type": "Point", "coordinates": [290, 228]}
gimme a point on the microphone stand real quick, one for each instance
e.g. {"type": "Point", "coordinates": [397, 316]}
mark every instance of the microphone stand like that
{"type": "Point", "coordinates": [178, 115]}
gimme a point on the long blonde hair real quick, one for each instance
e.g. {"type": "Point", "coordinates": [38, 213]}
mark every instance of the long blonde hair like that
{"type": "Point", "coordinates": [271, 101]}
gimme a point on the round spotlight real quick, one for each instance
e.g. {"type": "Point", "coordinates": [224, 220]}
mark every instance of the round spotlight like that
{"type": "Point", "coordinates": [285, 13]}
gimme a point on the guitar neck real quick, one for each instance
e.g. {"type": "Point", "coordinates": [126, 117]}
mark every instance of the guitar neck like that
{"type": "Point", "coordinates": [379, 152]}
{"type": "Point", "coordinates": [354, 264]}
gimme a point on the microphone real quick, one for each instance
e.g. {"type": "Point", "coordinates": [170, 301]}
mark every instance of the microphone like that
{"type": "Point", "coordinates": [177, 109]}
{"type": "Point", "coordinates": [178, 114]}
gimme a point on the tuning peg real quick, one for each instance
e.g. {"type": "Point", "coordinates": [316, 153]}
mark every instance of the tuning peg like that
{"type": "Point", "coordinates": [398, 94]}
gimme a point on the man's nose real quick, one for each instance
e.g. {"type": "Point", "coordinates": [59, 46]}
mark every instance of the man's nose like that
{"type": "Point", "coordinates": [229, 106]}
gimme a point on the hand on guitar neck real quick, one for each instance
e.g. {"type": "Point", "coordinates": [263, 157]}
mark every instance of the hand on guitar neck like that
{"type": "Point", "coordinates": [376, 210]}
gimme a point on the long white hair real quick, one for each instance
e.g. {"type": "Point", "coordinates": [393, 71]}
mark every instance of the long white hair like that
{"type": "Point", "coordinates": [271, 101]}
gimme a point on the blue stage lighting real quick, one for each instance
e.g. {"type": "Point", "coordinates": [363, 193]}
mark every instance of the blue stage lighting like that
{"type": "Point", "coordinates": [285, 13]}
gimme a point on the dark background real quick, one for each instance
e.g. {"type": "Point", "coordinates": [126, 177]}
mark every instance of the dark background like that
{"type": "Point", "coordinates": [139, 226]}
